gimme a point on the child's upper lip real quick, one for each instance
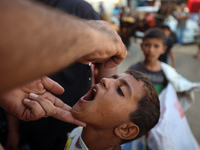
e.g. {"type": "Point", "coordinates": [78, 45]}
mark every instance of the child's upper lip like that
{"type": "Point", "coordinates": [95, 89]}
{"type": "Point", "coordinates": [91, 94]}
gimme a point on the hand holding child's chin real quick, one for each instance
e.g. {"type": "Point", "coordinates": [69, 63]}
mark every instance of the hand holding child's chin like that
{"type": "Point", "coordinates": [51, 106]}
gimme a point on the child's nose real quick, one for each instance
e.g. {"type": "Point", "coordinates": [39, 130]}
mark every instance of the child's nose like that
{"type": "Point", "coordinates": [151, 48]}
{"type": "Point", "coordinates": [105, 82]}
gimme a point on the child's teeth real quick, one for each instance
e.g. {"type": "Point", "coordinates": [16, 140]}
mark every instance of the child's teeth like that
{"type": "Point", "coordinates": [95, 90]}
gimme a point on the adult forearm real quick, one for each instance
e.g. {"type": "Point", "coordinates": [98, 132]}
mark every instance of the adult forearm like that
{"type": "Point", "coordinates": [37, 41]}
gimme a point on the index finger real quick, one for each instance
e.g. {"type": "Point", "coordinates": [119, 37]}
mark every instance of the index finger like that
{"type": "Point", "coordinates": [52, 86]}
{"type": "Point", "coordinates": [62, 110]}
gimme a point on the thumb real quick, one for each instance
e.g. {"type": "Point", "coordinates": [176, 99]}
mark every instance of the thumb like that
{"type": "Point", "coordinates": [115, 60]}
{"type": "Point", "coordinates": [110, 64]}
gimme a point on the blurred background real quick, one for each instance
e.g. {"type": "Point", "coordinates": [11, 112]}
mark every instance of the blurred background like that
{"type": "Point", "coordinates": [132, 17]}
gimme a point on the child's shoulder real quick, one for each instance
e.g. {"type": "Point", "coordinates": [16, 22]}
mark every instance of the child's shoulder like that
{"type": "Point", "coordinates": [136, 66]}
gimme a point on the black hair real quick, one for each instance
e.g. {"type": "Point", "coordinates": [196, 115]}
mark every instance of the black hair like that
{"type": "Point", "coordinates": [148, 111]}
{"type": "Point", "coordinates": [164, 26]}
{"type": "Point", "coordinates": [155, 33]}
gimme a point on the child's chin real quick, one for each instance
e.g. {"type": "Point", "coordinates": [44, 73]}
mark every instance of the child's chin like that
{"type": "Point", "coordinates": [75, 111]}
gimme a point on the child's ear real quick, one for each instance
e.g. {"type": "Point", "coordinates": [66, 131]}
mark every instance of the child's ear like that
{"type": "Point", "coordinates": [127, 131]}
{"type": "Point", "coordinates": [141, 47]}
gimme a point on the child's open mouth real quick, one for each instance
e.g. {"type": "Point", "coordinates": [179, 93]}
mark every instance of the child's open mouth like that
{"type": "Point", "coordinates": [90, 95]}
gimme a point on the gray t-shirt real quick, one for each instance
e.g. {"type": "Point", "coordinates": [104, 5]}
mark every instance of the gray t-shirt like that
{"type": "Point", "coordinates": [157, 77]}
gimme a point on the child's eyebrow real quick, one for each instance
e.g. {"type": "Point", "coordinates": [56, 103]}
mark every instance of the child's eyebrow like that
{"type": "Point", "coordinates": [114, 76]}
{"type": "Point", "coordinates": [125, 83]}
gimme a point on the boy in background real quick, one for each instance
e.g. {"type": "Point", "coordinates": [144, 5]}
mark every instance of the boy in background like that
{"type": "Point", "coordinates": [169, 44]}
{"type": "Point", "coordinates": [117, 110]}
{"type": "Point", "coordinates": [153, 45]}
{"type": "Point", "coordinates": [166, 134]}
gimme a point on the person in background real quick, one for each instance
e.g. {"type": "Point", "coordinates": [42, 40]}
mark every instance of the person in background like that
{"type": "Point", "coordinates": [163, 76]}
{"type": "Point", "coordinates": [181, 14]}
{"type": "Point", "coordinates": [153, 45]}
{"type": "Point", "coordinates": [102, 11]}
{"type": "Point", "coordinates": [115, 18]}
{"type": "Point", "coordinates": [169, 44]}
{"type": "Point", "coordinates": [197, 55]}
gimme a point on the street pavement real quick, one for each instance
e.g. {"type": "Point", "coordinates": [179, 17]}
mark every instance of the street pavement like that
{"type": "Point", "coordinates": [186, 65]}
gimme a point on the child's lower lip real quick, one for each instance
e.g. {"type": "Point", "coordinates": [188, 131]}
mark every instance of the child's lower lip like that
{"type": "Point", "coordinates": [82, 100]}
{"type": "Point", "coordinates": [149, 56]}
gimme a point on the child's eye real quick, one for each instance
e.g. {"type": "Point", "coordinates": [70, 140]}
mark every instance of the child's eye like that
{"type": "Point", "coordinates": [119, 91]}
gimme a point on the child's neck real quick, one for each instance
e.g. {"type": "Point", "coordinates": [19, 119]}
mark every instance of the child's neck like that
{"type": "Point", "coordinates": [96, 139]}
{"type": "Point", "coordinates": [152, 65]}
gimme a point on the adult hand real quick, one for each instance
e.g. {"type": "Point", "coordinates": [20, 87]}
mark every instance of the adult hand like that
{"type": "Point", "coordinates": [56, 108]}
{"type": "Point", "coordinates": [109, 47]}
{"type": "Point", "coordinates": [13, 101]}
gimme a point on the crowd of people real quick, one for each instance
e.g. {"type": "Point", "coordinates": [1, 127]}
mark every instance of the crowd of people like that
{"type": "Point", "coordinates": [59, 88]}
{"type": "Point", "coordinates": [175, 14]}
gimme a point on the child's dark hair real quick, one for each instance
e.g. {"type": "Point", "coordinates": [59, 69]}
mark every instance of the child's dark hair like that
{"type": "Point", "coordinates": [148, 111]}
{"type": "Point", "coordinates": [155, 33]}
{"type": "Point", "coordinates": [164, 26]}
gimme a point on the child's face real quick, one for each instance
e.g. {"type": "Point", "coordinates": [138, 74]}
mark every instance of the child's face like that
{"type": "Point", "coordinates": [166, 32]}
{"type": "Point", "coordinates": [109, 103]}
{"type": "Point", "coordinates": [153, 48]}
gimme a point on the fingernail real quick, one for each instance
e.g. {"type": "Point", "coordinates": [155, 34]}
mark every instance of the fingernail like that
{"type": "Point", "coordinates": [33, 95]}
{"type": "Point", "coordinates": [27, 100]}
